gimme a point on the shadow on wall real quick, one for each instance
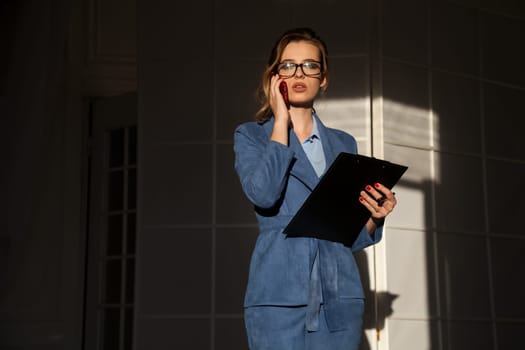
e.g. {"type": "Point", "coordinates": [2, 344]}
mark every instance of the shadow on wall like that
{"type": "Point", "coordinates": [380, 304]}
{"type": "Point", "coordinates": [374, 319]}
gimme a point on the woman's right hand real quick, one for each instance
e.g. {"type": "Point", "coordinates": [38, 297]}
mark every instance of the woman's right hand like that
{"type": "Point", "coordinates": [279, 108]}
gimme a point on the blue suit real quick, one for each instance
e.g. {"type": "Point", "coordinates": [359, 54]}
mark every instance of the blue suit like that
{"type": "Point", "coordinates": [277, 179]}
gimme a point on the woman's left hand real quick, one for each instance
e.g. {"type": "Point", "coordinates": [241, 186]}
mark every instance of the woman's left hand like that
{"type": "Point", "coordinates": [380, 201]}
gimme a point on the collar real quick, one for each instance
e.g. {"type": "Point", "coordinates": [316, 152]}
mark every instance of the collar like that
{"type": "Point", "coordinates": [315, 130]}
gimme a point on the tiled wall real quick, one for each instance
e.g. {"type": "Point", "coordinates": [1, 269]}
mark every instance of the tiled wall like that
{"type": "Point", "coordinates": [449, 78]}
{"type": "Point", "coordinates": [452, 80]}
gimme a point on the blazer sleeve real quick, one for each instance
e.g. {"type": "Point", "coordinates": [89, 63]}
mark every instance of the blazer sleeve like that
{"type": "Point", "coordinates": [364, 239]}
{"type": "Point", "coordinates": [262, 165]}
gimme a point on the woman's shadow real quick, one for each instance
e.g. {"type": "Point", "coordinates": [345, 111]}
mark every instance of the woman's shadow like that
{"type": "Point", "coordinates": [374, 317]}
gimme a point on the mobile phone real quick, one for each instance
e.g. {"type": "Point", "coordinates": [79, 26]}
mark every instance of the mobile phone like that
{"type": "Point", "coordinates": [283, 88]}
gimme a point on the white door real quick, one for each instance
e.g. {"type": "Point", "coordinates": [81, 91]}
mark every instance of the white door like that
{"type": "Point", "coordinates": [112, 224]}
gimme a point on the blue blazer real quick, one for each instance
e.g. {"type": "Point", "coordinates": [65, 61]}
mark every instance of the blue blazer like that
{"type": "Point", "coordinates": [277, 179]}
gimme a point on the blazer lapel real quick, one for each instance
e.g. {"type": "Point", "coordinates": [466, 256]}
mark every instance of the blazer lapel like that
{"type": "Point", "coordinates": [301, 169]}
{"type": "Point", "coordinates": [328, 146]}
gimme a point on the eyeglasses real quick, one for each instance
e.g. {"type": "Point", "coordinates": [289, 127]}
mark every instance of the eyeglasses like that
{"type": "Point", "coordinates": [309, 69]}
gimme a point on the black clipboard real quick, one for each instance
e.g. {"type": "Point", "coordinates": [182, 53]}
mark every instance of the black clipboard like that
{"type": "Point", "coordinates": [333, 211]}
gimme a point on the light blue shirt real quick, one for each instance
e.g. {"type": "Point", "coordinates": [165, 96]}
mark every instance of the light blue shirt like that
{"type": "Point", "coordinates": [313, 147]}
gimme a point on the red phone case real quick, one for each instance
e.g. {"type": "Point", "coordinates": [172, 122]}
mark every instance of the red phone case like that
{"type": "Point", "coordinates": [283, 88]}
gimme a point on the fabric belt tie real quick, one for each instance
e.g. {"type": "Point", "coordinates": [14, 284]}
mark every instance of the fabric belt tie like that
{"type": "Point", "coordinates": [315, 297]}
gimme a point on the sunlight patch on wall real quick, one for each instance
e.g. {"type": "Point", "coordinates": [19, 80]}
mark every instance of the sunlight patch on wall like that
{"type": "Point", "coordinates": [350, 115]}
{"type": "Point", "coordinates": [407, 125]}
{"type": "Point", "coordinates": [400, 260]}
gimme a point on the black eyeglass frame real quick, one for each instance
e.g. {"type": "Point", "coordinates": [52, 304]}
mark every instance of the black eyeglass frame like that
{"type": "Point", "coordinates": [296, 65]}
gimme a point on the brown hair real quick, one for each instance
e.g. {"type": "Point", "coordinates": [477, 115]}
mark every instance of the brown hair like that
{"type": "Point", "coordinates": [292, 35]}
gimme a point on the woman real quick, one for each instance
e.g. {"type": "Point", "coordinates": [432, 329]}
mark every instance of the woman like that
{"type": "Point", "coordinates": [302, 293]}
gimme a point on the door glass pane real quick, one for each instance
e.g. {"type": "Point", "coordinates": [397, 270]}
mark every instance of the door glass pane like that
{"type": "Point", "coordinates": [116, 190]}
{"type": "Point", "coordinates": [132, 141]}
{"type": "Point", "coordinates": [113, 281]}
{"type": "Point", "coordinates": [114, 235]}
{"type": "Point", "coordinates": [132, 188]}
{"type": "Point", "coordinates": [116, 148]}
{"type": "Point", "coordinates": [111, 328]}
{"type": "Point", "coordinates": [131, 233]}
{"type": "Point", "coordinates": [128, 329]}
{"type": "Point", "coordinates": [130, 280]}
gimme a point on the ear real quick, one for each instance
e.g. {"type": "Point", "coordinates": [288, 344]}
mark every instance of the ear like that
{"type": "Point", "coordinates": [324, 82]}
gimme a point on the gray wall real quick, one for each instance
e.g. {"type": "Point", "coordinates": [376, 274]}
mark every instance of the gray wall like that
{"type": "Point", "coordinates": [453, 77]}
{"type": "Point", "coordinates": [445, 78]}
{"type": "Point", "coordinates": [40, 181]}
{"type": "Point", "coordinates": [432, 84]}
